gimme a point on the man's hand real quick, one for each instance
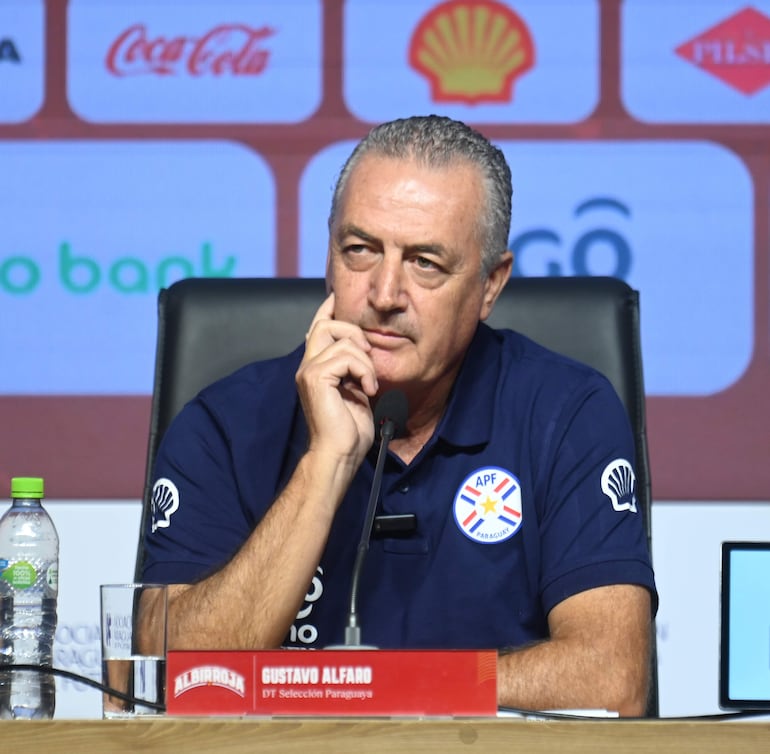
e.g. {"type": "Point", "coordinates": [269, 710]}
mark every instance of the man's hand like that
{"type": "Point", "coordinates": [335, 381]}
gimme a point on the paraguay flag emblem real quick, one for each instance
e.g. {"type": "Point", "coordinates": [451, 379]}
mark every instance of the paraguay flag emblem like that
{"type": "Point", "coordinates": [487, 505]}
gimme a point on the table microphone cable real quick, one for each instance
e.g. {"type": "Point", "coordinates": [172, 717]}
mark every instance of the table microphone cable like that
{"type": "Point", "coordinates": [50, 670]}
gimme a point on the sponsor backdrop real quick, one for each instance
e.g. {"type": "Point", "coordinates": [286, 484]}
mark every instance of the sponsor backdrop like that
{"type": "Point", "coordinates": [139, 145]}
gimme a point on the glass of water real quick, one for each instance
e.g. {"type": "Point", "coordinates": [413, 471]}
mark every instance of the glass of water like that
{"type": "Point", "coordinates": [133, 623]}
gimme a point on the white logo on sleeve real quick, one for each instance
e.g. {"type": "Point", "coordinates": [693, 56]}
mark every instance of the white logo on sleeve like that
{"type": "Point", "coordinates": [619, 485]}
{"type": "Point", "coordinates": [165, 500]}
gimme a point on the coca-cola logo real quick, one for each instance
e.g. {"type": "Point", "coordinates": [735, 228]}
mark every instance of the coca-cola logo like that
{"type": "Point", "coordinates": [226, 49]}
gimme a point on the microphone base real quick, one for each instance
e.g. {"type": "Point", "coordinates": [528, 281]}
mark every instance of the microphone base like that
{"type": "Point", "coordinates": [336, 647]}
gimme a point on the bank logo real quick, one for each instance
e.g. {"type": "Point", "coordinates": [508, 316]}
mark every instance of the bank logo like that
{"type": "Point", "coordinates": [167, 210]}
{"type": "Point", "coordinates": [471, 52]}
{"type": "Point", "coordinates": [619, 485]}
{"type": "Point", "coordinates": [736, 51]}
{"type": "Point", "coordinates": [487, 505]}
{"type": "Point", "coordinates": [165, 501]}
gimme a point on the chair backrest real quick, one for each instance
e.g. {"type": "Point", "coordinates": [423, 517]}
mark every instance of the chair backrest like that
{"type": "Point", "coordinates": [208, 327]}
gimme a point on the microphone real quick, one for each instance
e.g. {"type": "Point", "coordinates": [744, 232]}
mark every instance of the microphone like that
{"type": "Point", "coordinates": [390, 415]}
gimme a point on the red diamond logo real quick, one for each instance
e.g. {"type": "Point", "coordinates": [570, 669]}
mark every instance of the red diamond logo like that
{"type": "Point", "coordinates": [737, 51]}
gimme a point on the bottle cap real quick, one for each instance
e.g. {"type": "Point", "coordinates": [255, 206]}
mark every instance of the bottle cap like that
{"type": "Point", "coordinates": [27, 486]}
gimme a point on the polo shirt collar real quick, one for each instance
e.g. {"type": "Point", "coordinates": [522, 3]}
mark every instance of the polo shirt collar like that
{"type": "Point", "coordinates": [470, 411]}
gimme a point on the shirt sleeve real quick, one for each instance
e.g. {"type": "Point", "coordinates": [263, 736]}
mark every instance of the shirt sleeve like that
{"type": "Point", "coordinates": [592, 525]}
{"type": "Point", "coordinates": [197, 521]}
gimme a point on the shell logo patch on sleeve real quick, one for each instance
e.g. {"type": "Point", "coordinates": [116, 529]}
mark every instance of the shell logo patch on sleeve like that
{"type": "Point", "coordinates": [619, 485]}
{"type": "Point", "coordinates": [487, 505]}
{"type": "Point", "coordinates": [165, 500]}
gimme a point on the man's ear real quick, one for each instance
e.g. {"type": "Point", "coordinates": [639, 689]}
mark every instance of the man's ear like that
{"type": "Point", "coordinates": [495, 283]}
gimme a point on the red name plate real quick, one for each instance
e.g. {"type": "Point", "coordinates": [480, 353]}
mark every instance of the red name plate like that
{"type": "Point", "coordinates": [332, 682]}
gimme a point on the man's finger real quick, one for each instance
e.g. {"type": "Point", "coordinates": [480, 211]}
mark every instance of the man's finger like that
{"type": "Point", "coordinates": [325, 311]}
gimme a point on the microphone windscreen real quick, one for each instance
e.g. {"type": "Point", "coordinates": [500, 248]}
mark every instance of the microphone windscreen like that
{"type": "Point", "coordinates": [392, 405]}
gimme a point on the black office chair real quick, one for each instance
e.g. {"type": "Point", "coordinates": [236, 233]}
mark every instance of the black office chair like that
{"type": "Point", "coordinates": [208, 327]}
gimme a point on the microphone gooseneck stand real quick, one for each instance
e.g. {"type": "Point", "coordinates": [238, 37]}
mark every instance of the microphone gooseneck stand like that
{"type": "Point", "coordinates": [390, 417]}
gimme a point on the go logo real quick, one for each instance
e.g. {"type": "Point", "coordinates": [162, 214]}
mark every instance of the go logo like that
{"type": "Point", "coordinates": [601, 251]}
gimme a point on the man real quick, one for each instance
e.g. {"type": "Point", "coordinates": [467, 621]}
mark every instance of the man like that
{"type": "Point", "coordinates": [506, 444]}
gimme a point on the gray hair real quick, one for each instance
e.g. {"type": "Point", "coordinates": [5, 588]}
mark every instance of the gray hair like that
{"type": "Point", "coordinates": [436, 141]}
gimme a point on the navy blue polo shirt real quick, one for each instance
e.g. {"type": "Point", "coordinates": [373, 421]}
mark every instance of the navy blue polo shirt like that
{"type": "Point", "coordinates": [524, 496]}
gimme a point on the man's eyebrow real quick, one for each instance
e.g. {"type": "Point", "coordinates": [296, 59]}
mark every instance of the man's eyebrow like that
{"type": "Point", "coordinates": [352, 230]}
{"type": "Point", "coordinates": [349, 229]}
{"type": "Point", "coordinates": [437, 249]}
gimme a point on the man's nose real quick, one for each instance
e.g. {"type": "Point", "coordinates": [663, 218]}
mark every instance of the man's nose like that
{"type": "Point", "coordinates": [387, 285]}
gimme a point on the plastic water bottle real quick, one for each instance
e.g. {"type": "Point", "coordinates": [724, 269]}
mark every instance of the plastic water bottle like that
{"type": "Point", "coordinates": [29, 585]}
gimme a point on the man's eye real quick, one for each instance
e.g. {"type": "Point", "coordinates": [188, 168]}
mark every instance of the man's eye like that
{"type": "Point", "coordinates": [425, 264]}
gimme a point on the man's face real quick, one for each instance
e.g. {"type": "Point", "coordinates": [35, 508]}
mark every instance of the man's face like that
{"type": "Point", "coordinates": [405, 266]}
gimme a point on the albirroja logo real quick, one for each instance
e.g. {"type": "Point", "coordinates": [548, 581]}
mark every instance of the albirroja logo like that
{"type": "Point", "coordinates": [210, 675]}
{"type": "Point", "coordinates": [471, 51]}
{"type": "Point", "coordinates": [737, 51]}
{"type": "Point", "coordinates": [226, 49]}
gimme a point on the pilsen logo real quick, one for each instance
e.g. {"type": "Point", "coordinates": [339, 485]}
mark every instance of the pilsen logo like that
{"type": "Point", "coordinates": [226, 49]}
{"type": "Point", "coordinates": [210, 675]}
{"type": "Point", "coordinates": [471, 51]}
{"type": "Point", "coordinates": [737, 51]}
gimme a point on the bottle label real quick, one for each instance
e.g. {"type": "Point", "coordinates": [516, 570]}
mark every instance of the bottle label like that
{"type": "Point", "coordinates": [21, 575]}
{"type": "Point", "coordinates": [52, 577]}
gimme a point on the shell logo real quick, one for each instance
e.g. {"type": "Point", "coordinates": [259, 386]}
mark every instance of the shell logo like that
{"type": "Point", "coordinates": [471, 51]}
